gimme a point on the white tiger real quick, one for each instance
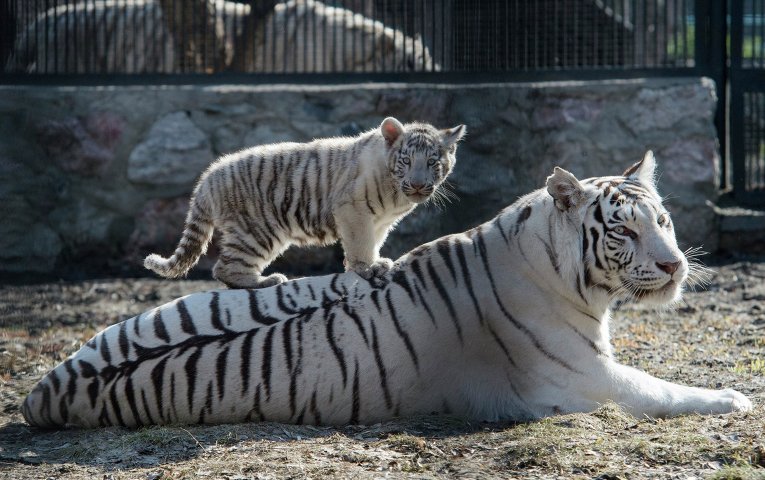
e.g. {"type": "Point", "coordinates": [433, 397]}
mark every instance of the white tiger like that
{"type": "Point", "coordinates": [130, 36]}
{"type": "Point", "coordinates": [322, 39]}
{"type": "Point", "coordinates": [355, 189]}
{"type": "Point", "coordinates": [508, 320]}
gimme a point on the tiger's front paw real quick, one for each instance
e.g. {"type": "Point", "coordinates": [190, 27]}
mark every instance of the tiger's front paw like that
{"type": "Point", "coordinates": [378, 268]}
{"type": "Point", "coordinates": [738, 401]}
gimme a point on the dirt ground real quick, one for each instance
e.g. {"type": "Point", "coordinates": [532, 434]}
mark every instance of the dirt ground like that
{"type": "Point", "coordinates": [716, 338]}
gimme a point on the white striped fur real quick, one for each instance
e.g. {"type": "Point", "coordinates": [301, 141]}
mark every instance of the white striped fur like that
{"type": "Point", "coordinates": [508, 320]}
{"type": "Point", "coordinates": [354, 189]}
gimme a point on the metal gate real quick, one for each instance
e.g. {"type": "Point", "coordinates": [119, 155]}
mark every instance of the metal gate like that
{"type": "Point", "coordinates": [747, 100]}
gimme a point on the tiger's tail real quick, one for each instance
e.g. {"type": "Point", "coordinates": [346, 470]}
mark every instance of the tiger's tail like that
{"type": "Point", "coordinates": [197, 234]}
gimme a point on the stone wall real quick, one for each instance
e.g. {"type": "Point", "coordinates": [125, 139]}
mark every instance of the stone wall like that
{"type": "Point", "coordinates": [101, 175]}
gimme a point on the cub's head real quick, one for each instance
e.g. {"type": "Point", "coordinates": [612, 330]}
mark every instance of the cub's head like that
{"type": "Point", "coordinates": [420, 157]}
{"type": "Point", "coordinates": [627, 240]}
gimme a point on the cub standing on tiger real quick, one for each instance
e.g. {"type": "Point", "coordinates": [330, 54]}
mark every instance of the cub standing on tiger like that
{"type": "Point", "coordinates": [356, 189]}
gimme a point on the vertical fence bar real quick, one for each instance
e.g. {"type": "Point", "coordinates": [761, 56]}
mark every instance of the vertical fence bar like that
{"type": "Point", "coordinates": [315, 37]}
{"type": "Point", "coordinates": [134, 43]}
{"type": "Point", "coordinates": [433, 36]}
{"type": "Point", "coordinates": [709, 59]}
{"type": "Point", "coordinates": [564, 36]}
{"type": "Point", "coordinates": [746, 172]}
{"type": "Point", "coordinates": [596, 57]}
{"type": "Point", "coordinates": [535, 45]}
{"type": "Point", "coordinates": [443, 34]}
{"type": "Point", "coordinates": [656, 36]}
{"type": "Point", "coordinates": [344, 36]}
{"type": "Point", "coordinates": [76, 10]}
{"type": "Point", "coordinates": [757, 151]}
{"type": "Point", "coordinates": [93, 39]}
{"type": "Point", "coordinates": [285, 39]}
{"type": "Point", "coordinates": [736, 131]}
{"type": "Point", "coordinates": [125, 26]}
{"type": "Point", "coordinates": [46, 31]}
{"type": "Point", "coordinates": [306, 20]}
{"type": "Point", "coordinates": [761, 41]}
{"type": "Point", "coordinates": [422, 35]}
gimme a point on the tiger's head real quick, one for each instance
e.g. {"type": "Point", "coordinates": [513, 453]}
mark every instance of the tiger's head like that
{"type": "Point", "coordinates": [627, 240]}
{"type": "Point", "coordinates": [420, 156]}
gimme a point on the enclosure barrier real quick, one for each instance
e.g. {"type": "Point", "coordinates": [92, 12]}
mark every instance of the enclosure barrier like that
{"type": "Point", "coordinates": [265, 41]}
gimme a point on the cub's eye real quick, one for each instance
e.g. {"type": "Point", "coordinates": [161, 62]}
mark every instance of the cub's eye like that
{"type": "Point", "coordinates": [406, 161]}
{"type": "Point", "coordinates": [432, 162]}
{"type": "Point", "coordinates": [621, 230]}
{"type": "Point", "coordinates": [663, 219]}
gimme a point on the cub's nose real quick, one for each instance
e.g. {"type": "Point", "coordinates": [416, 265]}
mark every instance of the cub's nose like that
{"type": "Point", "coordinates": [669, 267]}
{"type": "Point", "coordinates": [418, 187]}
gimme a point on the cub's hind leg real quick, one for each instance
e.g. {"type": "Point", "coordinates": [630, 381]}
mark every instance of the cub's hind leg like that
{"type": "Point", "coordinates": [244, 254]}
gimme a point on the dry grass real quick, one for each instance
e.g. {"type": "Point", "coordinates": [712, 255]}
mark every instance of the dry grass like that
{"type": "Point", "coordinates": [716, 339]}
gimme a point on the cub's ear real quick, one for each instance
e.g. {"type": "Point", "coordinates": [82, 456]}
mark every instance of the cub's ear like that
{"type": "Point", "coordinates": [391, 129]}
{"type": "Point", "coordinates": [644, 171]}
{"type": "Point", "coordinates": [565, 189]}
{"type": "Point", "coordinates": [451, 136]}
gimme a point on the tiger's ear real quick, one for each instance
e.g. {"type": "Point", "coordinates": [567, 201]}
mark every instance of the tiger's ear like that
{"type": "Point", "coordinates": [451, 136]}
{"type": "Point", "coordinates": [644, 171]}
{"type": "Point", "coordinates": [565, 189]}
{"type": "Point", "coordinates": [391, 129]}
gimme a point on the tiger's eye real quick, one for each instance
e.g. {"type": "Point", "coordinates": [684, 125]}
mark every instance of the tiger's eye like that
{"type": "Point", "coordinates": [431, 162]}
{"type": "Point", "coordinates": [622, 230]}
{"type": "Point", "coordinates": [406, 161]}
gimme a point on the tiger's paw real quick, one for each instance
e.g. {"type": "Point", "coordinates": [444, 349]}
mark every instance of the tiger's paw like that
{"type": "Point", "coordinates": [378, 268]}
{"type": "Point", "coordinates": [250, 281]}
{"type": "Point", "coordinates": [738, 401]}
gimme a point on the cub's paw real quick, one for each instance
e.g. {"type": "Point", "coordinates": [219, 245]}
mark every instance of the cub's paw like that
{"type": "Point", "coordinates": [271, 280]}
{"type": "Point", "coordinates": [251, 281]}
{"type": "Point", "coordinates": [378, 268]}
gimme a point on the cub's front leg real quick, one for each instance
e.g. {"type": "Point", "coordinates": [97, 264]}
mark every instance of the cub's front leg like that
{"type": "Point", "coordinates": [357, 235]}
{"type": "Point", "coordinates": [642, 394]}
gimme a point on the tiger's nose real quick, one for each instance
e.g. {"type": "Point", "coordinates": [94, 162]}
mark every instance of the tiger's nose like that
{"type": "Point", "coordinates": [669, 267]}
{"type": "Point", "coordinates": [417, 186]}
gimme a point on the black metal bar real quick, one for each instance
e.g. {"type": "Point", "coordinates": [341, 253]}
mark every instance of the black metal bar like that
{"type": "Point", "coordinates": [754, 125]}
{"type": "Point", "coordinates": [286, 39]}
{"type": "Point", "coordinates": [75, 35]}
{"type": "Point", "coordinates": [125, 27]}
{"type": "Point", "coordinates": [443, 34]}
{"type": "Point", "coordinates": [422, 34]}
{"type": "Point", "coordinates": [134, 25]}
{"type": "Point", "coordinates": [736, 132]}
{"type": "Point", "coordinates": [46, 32]}
{"type": "Point", "coordinates": [344, 36]}
{"type": "Point", "coordinates": [761, 43]}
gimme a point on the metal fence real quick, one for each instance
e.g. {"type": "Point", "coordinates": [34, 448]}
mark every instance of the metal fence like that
{"type": "Point", "coordinates": [747, 100]}
{"type": "Point", "coordinates": [137, 37]}
{"type": "Point", "coordinates": [191, 41]}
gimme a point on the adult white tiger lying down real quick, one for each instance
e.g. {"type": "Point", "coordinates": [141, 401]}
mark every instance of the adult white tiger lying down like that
{"type": "Point", "coordinates": [508, 320]}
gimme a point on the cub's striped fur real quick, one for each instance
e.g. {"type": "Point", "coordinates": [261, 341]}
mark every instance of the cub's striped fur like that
{"type": "Point", "coordinates": [508, 320]}
{"type": "Point", "coordinates": [354, 189]}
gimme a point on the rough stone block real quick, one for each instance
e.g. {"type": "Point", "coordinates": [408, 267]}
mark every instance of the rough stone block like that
{"type": "Point", "coordinates": [174, 152]}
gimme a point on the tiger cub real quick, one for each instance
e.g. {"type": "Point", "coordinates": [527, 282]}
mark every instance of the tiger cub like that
{"type": "Point", "coordinates": [265, 198]}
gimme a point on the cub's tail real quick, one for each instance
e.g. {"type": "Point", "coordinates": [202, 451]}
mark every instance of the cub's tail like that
{"type": "Point", "coordinates": [193, 244]}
